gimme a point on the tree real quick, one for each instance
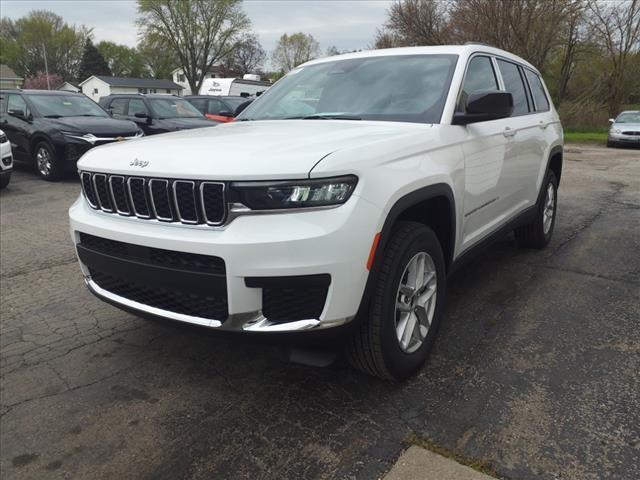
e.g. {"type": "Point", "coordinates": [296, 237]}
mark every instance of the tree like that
{"type": "Point", "coordinates": [247, 56]}
{"type": "Point", "coordinates": [123, 61]}
{"type": "Point", "coordinates": [23, 43]}
{"type": "Point", "coordinates": [93, 63]}
{"type": "Point", "coordinates": [332, 51]}
{"type": "Point", "coordinates": [41, 82]}
{"type": "Point", "coordinates": [415, 22]}
{"type": "Point", "coordinates": [159, 58]}
{"type": "Point", "coordinates": [617, 28]}
{"type": "Point", "coordinates": [293, 50]}
{"type": "Point", "coordinates": [199, 32]}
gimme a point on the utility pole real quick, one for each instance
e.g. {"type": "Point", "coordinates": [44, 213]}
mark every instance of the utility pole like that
{"type": "Point", "coordinates": [46, 67]}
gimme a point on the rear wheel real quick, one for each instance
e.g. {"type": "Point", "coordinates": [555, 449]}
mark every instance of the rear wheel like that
{"type": "Point", "coordinates": [406, 307]}
{"type": "Point", "coordinates": [47, 165]}
{"type": "Point", "coordinates": [537, 233]}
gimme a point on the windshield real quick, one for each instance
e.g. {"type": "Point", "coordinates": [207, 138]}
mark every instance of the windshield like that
{"type": "Point", "coordinates": [629, 117]}
{"type": "Point", "coordinates": [401, 88]}
{"type": "Point", "coordinates": [56, 106]}
{"type": "Point", "coordinates": [174, 108]}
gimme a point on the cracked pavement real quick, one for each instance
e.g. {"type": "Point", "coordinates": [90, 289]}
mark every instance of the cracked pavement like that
{"type": "Point", "coordinates": [536, 370]}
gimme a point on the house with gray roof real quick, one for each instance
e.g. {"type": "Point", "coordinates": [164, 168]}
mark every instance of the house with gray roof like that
{"type": "Point", "coordinates": [98, 86]}
{"type": "Point", "coordinates": [9, 78]}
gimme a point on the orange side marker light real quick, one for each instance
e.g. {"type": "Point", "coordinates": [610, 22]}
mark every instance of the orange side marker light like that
{"type": "Point", "coordinates": [372, 252]}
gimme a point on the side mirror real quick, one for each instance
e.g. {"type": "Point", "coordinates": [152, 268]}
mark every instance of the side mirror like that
{"type": "Point", "coordinates": [14, 112]}
{"type": "Point", "coordinates": [225, 113]}
{"type": "Point", "coordinates": [612, 121]}
{"type": "Point", "coordinates": [485, 105]}
{"type": "Point", "coordinates": [143, 116]}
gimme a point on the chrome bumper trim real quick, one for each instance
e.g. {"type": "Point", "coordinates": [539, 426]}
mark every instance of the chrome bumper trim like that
{"type": "Point", "coordinates": [242, 322]}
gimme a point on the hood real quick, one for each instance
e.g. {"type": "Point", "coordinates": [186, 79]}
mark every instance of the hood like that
{"type": "Point", "coordinates": [635, 127]}
{"type": "Point", "coordinates": [99, 126]}
{"type": "Point", "coordinates": [273, 149]}
{"type": "Point", "coordinates": [186, 123]}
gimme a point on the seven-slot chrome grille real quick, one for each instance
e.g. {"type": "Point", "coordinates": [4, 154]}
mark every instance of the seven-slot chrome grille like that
{"type": "Point", "coordinates": [191, 202]}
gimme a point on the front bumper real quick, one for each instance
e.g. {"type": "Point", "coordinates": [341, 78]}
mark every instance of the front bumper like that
{"type": "Point", "coordinates": [624, 139]}
{"type": "Point", "coordinates": [333, 242]}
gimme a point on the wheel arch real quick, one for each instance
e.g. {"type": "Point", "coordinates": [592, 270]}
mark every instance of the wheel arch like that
{"type": "Point", "coordinates": [554, 163]}
{"type": "Point", "coordinates": [433, 205]}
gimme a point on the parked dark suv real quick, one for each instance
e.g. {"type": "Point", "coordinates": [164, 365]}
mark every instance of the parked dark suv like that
{"type": "Point", "coordinates": [155, 113]}
{"type": "Point", "coordinates": [53, 129]}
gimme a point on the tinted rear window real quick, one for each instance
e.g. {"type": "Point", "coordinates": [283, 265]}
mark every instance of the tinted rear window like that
{"type": "Point", "coordinates": [539, 96]}
{"type": "Point", "coordinates": [513, 83]}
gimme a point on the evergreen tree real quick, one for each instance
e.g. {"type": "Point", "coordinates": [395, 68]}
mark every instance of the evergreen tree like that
{"type": "Point", "coordinates": [93, 63]}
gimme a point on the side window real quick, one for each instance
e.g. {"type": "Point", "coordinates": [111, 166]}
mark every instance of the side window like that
{"type": "Point", "coordinates": [118, 106]}
{"type": "Point", "coordinates": [17, 104]}
{"type": "Point", "coordinates": [539, 96]}
{"type": "Point", "coordinates": [200, 104]}
{"type": "Point", "coordinates": [215, 106]}
{"type": "Point", "coordinates": [480, 76]}
{"type": "Point", "coordinates": [513, 83]}
{"type": "Point", "coordinates": [137, 105]}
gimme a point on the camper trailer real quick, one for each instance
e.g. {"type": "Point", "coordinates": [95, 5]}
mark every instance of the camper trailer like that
{"type": "Point", "coordinates": [248, 86]}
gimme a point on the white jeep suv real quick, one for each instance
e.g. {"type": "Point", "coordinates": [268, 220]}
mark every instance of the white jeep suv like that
{"type": "Point", "coordinates": [339, 201]}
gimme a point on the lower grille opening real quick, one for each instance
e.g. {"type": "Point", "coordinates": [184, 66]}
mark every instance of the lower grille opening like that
{"type": "Point", "coordinates": [186, 303]}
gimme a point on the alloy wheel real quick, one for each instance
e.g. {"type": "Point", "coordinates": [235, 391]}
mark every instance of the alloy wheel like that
{"type": "Point", "coordinates": [43, 161]}
{"type": "Point", "coordinates": [549, 209]}
{"type": "Point", "coordinates": [416, 302]}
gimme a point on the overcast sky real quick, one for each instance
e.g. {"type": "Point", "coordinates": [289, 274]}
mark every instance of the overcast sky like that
{"type": "Point", "coordinates": [349, 25]}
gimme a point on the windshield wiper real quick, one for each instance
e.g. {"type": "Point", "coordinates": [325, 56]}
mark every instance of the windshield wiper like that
{"type": "Point", "coordinates": [53, 116]}
{"type": "Point", "coordinates": [326, 116]}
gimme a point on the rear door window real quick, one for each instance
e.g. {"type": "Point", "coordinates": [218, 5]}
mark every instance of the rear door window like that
{"type": "Point", "coordinates": [118, 106]}
{"type": "Point", "coordinates": [514, 84]}
{"type": "Point", "coordinates": [200, 104]}
{"type": "Point", "coordinates": [137, 105]}
{"type": "Point", "coordinates": [215, 106]}
{"type": "Point", "coordinates": [480, 76]}
{"type": "Point", "coordinates": [537, 90]}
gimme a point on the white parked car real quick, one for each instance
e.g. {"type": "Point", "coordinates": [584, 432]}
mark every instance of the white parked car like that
{"type": "Point", "coordinates": [624, 129]}
{"type": "Point", "coordinates": [6, 160]}
{"type": "Point", "coordinates": [338, 203]}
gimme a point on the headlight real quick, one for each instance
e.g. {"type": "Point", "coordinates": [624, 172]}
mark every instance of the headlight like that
{"type": "Point", "coordinates": [295, 193]}
{"type": "Point", "coordinates": [616, 130]}
{"type": "Point", "coordinates": [87, 137]}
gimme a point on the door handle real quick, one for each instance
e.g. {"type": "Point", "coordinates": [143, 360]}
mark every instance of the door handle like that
{"type": "Point", "coordinates": [542, 125]}
{"type": "Point", "coordinates": [508, 132]}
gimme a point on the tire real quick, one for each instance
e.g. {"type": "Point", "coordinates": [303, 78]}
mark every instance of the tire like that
{"type": "Point", "coordinates": [375, 347]}
{"type": "Point", "coordinates": [4, 181]}
{"type": "Point", "coordinates": [611, 144]}
{"type": "Point", "coordinates": [46, 163]}
{"type": "Point", "coordinates": [538, 232]}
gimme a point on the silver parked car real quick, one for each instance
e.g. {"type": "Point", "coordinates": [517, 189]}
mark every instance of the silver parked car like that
{"type": "Point", "coordinates": [625, 129]}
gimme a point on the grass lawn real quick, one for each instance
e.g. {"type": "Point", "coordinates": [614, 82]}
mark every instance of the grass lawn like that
{"type": "Point", "coordinates": [585, 137]}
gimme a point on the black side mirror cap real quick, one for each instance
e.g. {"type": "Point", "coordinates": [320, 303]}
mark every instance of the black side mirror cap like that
{"type": "Point", "coordinates": [485, 105]}
{"type": "Point", "coordinates": [141, 115]}
{"type": "Point", "coordinates": [225, 113]}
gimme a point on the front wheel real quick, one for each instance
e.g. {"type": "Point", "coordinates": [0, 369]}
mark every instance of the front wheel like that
{"type": "Point", "coordinates": [406, 306]}
{"type": "Point", "coordinates": [47, 165]}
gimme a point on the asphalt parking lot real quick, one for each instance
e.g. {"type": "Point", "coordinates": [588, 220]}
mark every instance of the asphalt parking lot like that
{"type": "Point", "coordinates": [536, 372]}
